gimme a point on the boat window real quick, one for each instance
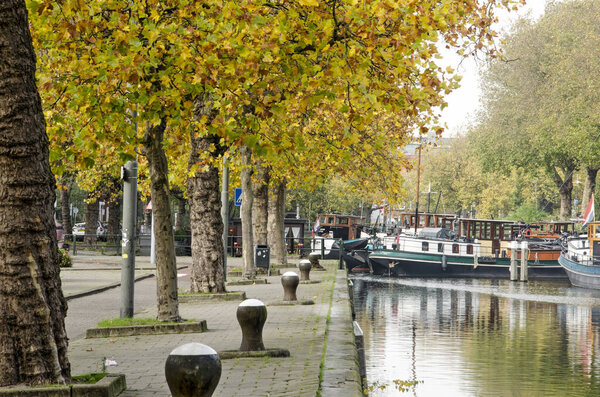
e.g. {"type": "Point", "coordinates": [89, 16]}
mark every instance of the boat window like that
{"type": "Point", "coordinates": [421, 220]}
{"type": "Point", "coordinates": [342, 221]}
{"type": "Point", "coordinates": [507, 233]}
{"type": "Point", "coordinates": [323, 219]}
{"type": "Point", "coordinates": [440, 247]}
{"type": "Point", "coordinates": [496, 234]}
{"type": "Point", "coordinates": [487, 231]}
{"type": "Point", "coordinates": [469, 249]}
{"type": "Point", "coordinates": [330, 220]}
{"type": "Point", "coordinates": [455, 249]}
{"type": "Point", "coordinates": [430, 221]}
{"type": "Point", "coordinates": [475, 233]}
{"type": "Point", "coordinates": [425, 246]}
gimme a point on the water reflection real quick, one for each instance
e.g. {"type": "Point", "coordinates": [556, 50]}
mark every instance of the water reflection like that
{"type": "Point", "coordinates": [480, 337]}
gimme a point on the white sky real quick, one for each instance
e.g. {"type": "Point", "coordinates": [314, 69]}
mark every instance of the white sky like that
{"type": "Point", "coordinates": [463, 102]}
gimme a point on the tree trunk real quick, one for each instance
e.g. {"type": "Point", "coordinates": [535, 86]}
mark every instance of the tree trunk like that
{"type": "Point", "coordinates": [91, 222]}
{"type": "Point", "coordinates": [147, 217]}
{"type": "Point", "coordinates": [260, 203]}
{"type": "Point", "coordinates": [249, 269]}
{"type": "Point", "coordinates": [276, 227]}
{"type": "Point", "coordinates": [166, 267]}
{"type": "Point", "coordinates": [589, 187]}
{"type": "Point", "coordinates": [65, 210]}
{"type": "Point", "coordinates": [205, 213]}
{"type": "Point", "coordinates": [565, 190]}
{"type": "Point", "coordinates": [181, 212]}
{"type": "Point", "coordinates": [33, 340]}
{"type": "Point", "coordinates": [114, 217]}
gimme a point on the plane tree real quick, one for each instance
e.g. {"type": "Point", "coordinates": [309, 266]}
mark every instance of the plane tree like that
{"type": "Point", "coordinates": [332, 68]}
{"type": "Point", "coordinates": [33, 338]}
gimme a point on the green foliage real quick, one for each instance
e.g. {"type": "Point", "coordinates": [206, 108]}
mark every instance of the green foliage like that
{"type": "Point", "coordinates": [335, 196]}
{"type": "Point", "coordinates": [317, 88]}
{"type": "Point", "coordinates": [528, 213]}
{"type": "Point", "coordinates": [542, 98]}
{"type": "Point", "coordinates": [65, 258]}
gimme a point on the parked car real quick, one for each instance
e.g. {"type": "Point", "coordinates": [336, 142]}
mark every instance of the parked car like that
{"type": "Point", "coordinates": [79, 231]}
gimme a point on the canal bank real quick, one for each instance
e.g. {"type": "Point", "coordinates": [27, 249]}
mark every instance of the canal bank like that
{"type": "Point", "coordinates": [323, 356]}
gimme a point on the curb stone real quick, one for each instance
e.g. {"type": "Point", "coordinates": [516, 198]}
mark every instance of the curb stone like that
{"type": "Point", "coordinates": [109, 386]}
{"type": "Point", "coordinates": [154, 329]}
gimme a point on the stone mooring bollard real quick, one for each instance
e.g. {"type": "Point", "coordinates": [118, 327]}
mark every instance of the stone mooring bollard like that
{"type": "Point", "coordinates": [194, 370]}
{"type": "Point", "coordinates": [304, 267]}
{"type": "Point", "coordinates": [252, 315]}
{"type": "Point", "coordinates": [290, 281]}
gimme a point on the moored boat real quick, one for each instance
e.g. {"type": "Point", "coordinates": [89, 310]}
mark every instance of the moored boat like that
{"type": "Point", "coordinates": [437, 252]}
{"type": "Point", "coordinates": [581, 258]}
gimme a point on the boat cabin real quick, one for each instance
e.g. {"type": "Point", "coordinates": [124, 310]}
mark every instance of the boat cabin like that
{"type": "Point", "coordinates": [346, 227]}
{"type": "Point", "coordinates": [437, 241]}
{"type": "Point", "coordinates": [495, 234]}
{"type": "Point", "coordinates": [593, 229]}
{"type": "Point", "coordinates": [549, 230]}
{"type": "Point", "coordinates": [408, 220]}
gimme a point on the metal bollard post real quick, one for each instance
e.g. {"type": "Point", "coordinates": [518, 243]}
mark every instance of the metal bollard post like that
{"type": "Point", "coordinates": [290, 281]}
{"type": "Point", "coordinates": [304, 266]}
{"type": "Point", "coordinates": [514, 247]}
{"type": "Point", "coordinates": [194, 370]}
{"type": "Point", "coordinates": [341, 251]}
{"type": "Point", "coordinates": [252, 315]}
{"type": "Point", "coordinates": [524, 261]}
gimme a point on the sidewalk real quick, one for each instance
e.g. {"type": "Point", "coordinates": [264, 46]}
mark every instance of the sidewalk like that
{"type": "Point", "coordinates": [302, 329]}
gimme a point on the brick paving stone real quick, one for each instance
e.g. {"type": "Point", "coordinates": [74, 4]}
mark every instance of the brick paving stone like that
{"type": "Point", "coordinates": [300, 328]}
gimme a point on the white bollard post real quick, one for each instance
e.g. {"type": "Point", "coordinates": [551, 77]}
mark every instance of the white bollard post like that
{"type": "Point", "coordinates": [514, 246]}
{"type": "Point", "coordinates": [524, 257]}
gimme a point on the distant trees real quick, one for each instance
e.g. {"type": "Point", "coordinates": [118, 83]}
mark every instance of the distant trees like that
{"type": "Point", "coordinates": [539, 131]}
{"type": "Point", "coordinates": [542, 99]}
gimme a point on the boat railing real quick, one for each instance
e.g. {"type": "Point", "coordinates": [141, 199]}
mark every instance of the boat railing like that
{"type": "Point", "coordinates": [584, 259]}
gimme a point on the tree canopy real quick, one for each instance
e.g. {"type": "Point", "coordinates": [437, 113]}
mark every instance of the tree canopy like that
{"type": "Point", "coordinates": [324, 82]}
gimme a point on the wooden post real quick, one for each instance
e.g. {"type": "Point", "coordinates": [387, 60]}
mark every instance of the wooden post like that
{"type": "Point", "coordinates": [524, 269]}
{"type": "Point", "coordinates": [514, 246]}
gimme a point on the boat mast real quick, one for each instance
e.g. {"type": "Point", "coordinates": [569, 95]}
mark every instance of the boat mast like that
{"type": "Point", "coordinates": [418, 181]}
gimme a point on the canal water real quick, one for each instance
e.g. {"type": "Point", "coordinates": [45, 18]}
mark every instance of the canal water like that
{"type": "Point", "coordinates": [479, 337]}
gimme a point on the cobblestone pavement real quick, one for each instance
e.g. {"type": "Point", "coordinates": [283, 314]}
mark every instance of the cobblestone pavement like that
{"type": "Point", "coordinates": [302, 329]}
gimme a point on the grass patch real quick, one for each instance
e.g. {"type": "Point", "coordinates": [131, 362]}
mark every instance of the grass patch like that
{"type": "Point", "coordinates": [126, 322]}
{"type": "Point", "coordinates": [88, 378]}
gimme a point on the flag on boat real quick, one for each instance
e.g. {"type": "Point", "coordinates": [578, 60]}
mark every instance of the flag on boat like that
{"type": "Point", "coordinates": [588, 215]}
{"type": "Point", "coordinates": [316, 227]}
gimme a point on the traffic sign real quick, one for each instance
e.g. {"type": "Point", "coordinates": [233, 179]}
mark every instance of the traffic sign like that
{"type": "Point", "coordinates": [238, 196]}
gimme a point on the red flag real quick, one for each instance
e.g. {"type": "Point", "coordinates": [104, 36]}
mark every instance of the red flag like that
{"type": "Point", "coordinates": [588, 215]}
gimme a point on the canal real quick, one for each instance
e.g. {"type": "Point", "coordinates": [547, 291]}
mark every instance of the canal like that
{"type": "Point", "coordinates": [459, 337]}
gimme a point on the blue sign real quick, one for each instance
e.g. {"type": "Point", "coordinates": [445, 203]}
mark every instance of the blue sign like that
{"type": "Point", "coordinates": [238, 196]}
